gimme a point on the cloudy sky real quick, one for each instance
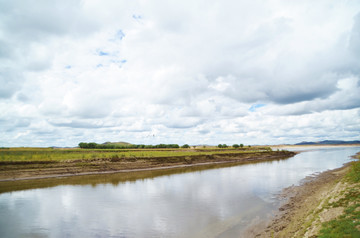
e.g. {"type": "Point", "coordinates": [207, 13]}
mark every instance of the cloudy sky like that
{"type": "Point", "coordinates": [196, 72]}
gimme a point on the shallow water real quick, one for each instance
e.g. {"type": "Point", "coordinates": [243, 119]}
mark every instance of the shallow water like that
{"type": "Point", "coordinates": [218, 201]}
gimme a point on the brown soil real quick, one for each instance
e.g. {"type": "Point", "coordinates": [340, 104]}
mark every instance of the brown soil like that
{"type": "Point", "coordinates": [299, 216]}
{"type": "Point", "coordinates": [11, 171]}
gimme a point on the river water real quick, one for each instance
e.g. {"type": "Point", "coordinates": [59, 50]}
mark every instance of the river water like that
{"type": "Point", "coordinates": [217, 201]}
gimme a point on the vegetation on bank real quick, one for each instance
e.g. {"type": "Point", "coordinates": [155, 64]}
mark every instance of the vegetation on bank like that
{"type": "Point", "coordinates": [347, 224]}
{"type": "Point", "coordinates": [234, 146]}
{"type": "Point", "coordinates": [122, 145]}
{"type": "Point", "coordinates": [93, 145]}
{"type": "Point", "coordinates": [68, 154]}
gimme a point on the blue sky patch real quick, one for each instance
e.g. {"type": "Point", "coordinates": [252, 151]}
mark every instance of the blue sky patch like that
{"type": "Point", "coordinates": [137, 17]}
{"type": "Point", "coordinates": [102, 53]}
{"type": "Point", "coordinates": [119, 35]}
{"type": "Point", "coordinates": [256, 106]}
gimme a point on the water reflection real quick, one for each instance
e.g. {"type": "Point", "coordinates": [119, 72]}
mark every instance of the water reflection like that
{"type": "Point", "coordinates": [217, 202]}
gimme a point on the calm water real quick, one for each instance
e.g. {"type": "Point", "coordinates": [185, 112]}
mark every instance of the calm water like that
{"type": "Point", "coordinates": [216, 202]}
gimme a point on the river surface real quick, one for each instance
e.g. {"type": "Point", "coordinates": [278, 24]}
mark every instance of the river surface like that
{"type": "Point", "coordinates": [218, 201]}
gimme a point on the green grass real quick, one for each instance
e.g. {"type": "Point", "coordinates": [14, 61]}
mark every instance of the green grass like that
{"type": "Point", "coordinates": [354, 174]}
{"type": "Point", "coordinates": [344, 226]}
{"type": "Point", "coordinates": [348, 224]}
{"type": "Point", "coordinates": [49, 154]}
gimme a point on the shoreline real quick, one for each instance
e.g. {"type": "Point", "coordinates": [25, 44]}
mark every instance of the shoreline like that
{"type": "Point", "coordinates": [117, 171]}
{"type": "Point", "coordinates": [302, 211]}
{"type": "Point", "coordinates": [30, 171]}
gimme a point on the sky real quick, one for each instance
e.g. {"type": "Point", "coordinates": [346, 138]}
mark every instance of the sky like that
{"type": "Point", "coordinates": [195, 72]}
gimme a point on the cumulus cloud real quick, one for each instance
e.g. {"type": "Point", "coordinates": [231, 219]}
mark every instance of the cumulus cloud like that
{"type": "Point", "coordinates": [185, 72]}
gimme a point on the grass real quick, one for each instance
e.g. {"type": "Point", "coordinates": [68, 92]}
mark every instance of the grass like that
{"type": "Point", "coordinates": [347, 224]}
{"type": "Point", "coordinates": [50, 154]}
{"type": "Point", "coordinates": [354, 175]}
{"type": "Point", "coordinates": [344, 226]}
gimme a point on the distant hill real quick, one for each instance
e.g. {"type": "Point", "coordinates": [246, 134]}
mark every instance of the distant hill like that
{"type": "Point", "coordinates": [117, 143]}
{"type": "Point", "coordinates": [330, 142]}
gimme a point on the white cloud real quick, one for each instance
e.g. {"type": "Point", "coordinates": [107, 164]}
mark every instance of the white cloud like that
{"type": "Point", "coordinates": [179, 72]}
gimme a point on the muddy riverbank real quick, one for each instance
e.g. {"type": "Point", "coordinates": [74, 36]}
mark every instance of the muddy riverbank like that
{"type": "Point", "coordinates": [306, 206]}
{"type": "Point", "coordinates": [12, 171]}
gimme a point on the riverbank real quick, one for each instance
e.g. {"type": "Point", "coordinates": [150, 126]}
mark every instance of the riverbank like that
{"type": "Point", "coordinates": [26, 170]}
{"type": "Point", "coordinates": [326, 204]}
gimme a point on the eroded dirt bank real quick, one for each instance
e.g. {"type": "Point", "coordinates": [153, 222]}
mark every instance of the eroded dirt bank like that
{"type": "Point", "coordinates": [305, 208]}
{"type": "Point", "coordinates": [11, 171]}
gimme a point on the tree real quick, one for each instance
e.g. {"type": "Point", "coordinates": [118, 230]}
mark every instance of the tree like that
{"type": "Point", "coordinates": [83, 145]}
{"type": "Point", "coordinates": [92, 145]}
{"type": "Point", "coordinates": [235, 146]}
{"type": "Point", "coordinates": [186, 146]}
{"type": "Point", "coordinates": [220, 145]}
{"type": "Point", "coordinates": [241, 145]}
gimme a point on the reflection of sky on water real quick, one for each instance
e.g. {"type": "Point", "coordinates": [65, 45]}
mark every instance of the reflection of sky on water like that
{"type": "Point", "coordinates": [179, 205]}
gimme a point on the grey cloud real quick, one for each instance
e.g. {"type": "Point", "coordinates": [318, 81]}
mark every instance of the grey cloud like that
{"type": "Point", "coordinates": [294, 95]}
{"type": "Point", "coordinates": [137, 130]}
{"type": "Point", "coordinates": [183, 123]}
{"type": "Point", "coordinates": [354, 43]}
{"type": "Point", "coordinates": [203, 131]}
{"type": "Point", "coordinates": [94, 110]}
{"type": "Point", "coordinates": [13, 124]}
{"type": "Point", "coordinates": [346, 97]}
{"type": "Point", "coordinates": [29, 21]}
{"type": "Point", "coordinates": [287, 77]}
{"type": "Point", "coordinates": [10, 82]}
{"type": "Point", "coordinates": [77, 124]}
{"type": "Point", "coordinates": [291, 77]}
{"type": "Point", "coordinates": [49, 133]}
{"type": "Point", "coordinates": [5, 50]}
{"type": "Point", "coordinates": [22, 122]}
{"type": "Point", "coordinates": [22, 97]}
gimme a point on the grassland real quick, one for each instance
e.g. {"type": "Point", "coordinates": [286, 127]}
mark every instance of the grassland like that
{"type": "Point", "coordinates": [60, 155]}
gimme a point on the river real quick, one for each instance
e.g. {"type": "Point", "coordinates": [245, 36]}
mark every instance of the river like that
{"type": "Point", "coordinates": [217, 201]}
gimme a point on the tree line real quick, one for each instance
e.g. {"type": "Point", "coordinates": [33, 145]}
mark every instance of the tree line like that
{"type": "Point", "coordinates": [93, 145]}
{"type": "Point", "coordinates": [234, 145]}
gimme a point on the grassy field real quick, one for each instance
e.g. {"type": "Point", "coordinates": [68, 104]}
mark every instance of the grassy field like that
{"type": "Point", "coordinates": [61, 155]}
